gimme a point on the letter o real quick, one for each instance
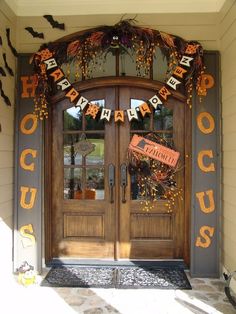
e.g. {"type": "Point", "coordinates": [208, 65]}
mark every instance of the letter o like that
{"type": "Point", "coordinates": [201, 126]}
{"type": "Point", "coordinates": [24, 121]}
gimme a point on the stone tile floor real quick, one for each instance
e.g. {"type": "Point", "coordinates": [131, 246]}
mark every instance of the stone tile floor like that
{"type": "Point", "coordinates": [207, 296]}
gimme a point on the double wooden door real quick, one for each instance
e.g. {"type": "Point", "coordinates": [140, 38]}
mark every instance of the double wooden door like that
{"type": "Point", "coordinates": [94, 212]}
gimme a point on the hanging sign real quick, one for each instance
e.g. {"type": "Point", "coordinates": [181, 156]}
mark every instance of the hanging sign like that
{"type": "Point", "coordinates": [154, 150]}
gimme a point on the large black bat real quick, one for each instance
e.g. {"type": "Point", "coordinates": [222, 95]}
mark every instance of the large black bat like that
{"type": "Point", "coordinates": [13, 50]}
{"type": "Point", "coordinates": [34, 33]}
{"type": "Point", "coordinates": [53, 22]}
{"type": "Point", "coordinates": [6, 65]}
{"type": "Point", "coordinates": [2, 71]}
{"type": "Point", "coordinates": [6, 99]}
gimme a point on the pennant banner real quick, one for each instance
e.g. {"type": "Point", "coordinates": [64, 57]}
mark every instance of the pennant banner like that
{"type": "Point", "coordinates": [173, 82]}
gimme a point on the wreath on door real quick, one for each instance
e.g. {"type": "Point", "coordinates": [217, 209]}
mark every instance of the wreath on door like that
{"type": "Point", "coordinates": [153, 170]}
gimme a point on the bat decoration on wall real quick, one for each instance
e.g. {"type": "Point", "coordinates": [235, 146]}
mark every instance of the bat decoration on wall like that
{"type": "Point", "coordinates": [13, 50]}
{"type": "Point", "coordinates": [0, 128]}
{"type": "Point", "coordinates": [0, 41]}
{"type": "Point", "coordinates": [6, 99]}
{"type": "Point", "coordinates": [54, 23]}
{"type": "Point", "coordinates": [34, 33]}
{"type": "Point", "coordinates": [2, 71]}
{"type": "Point", "coordinates": [6, 65]}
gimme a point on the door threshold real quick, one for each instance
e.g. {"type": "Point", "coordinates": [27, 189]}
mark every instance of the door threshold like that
{"type": "Point", "coordinates": [175, 263]}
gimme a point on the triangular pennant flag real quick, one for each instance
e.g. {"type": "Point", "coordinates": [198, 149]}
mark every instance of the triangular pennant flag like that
{"type": "Point", "coordinates": [64, 84]}
{"type": "Point", "coordinates": [50, 63]}
{"type": "Point", "coordinates": [132, 114]}
{"type": "Point", "coordinates": [164, 92]}
{"type": "Point", "coordinates": [92, 110]}
{"type": "Point", "coordinates": [119, 115]}
{"type": "Point", "coordinates": [186, 61]}
{"type": "Point", "coordinates": [173, 82]}
{"type": "Point", "coordinates": [82, 102]}
{"type": "Point", "coordinates": [144, 109]}
{"type": "Point", "coordinates": [106, 114]}
{"type": "Point", "coordinates": [72, 94]}
{"type": "Point", "coordinates": [57, 74]}
{"type": "Point", "coordinates": [179, 72]}
{"type": "Point", "coordinates": [191, 49]}
{"type": "Point", "coordinates": [155, 101]}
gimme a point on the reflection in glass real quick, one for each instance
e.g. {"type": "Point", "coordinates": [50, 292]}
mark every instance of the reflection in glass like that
{"type": "Point", "coordinates": [72, 119]}
{"type": "Point", "coordinates": [81, 183]}
{"type": "Point", "coordinates": [143, 124]}
{"type": "Point", "coordinates": [163, 119]}
{"type": "Point", "coordinates": [73, 155]}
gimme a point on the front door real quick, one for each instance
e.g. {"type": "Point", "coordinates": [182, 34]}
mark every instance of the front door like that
{"type": "Point", "coordinates": [90, 218]}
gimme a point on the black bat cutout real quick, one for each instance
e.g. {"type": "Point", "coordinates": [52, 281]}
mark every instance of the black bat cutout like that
{"type": "Point", "coordinates": [0, 41]}
{"type": "Point", "coordinates": [6, 65]}
{"type": "Point", "coordinates": [2, 71]}
{"type": "Point", "coordinates": [13, 50]}
{"type": "Point", "coordinates": [0, 128]}
{"type": "Point", "coordinates": [53, 22]}
{"type": "Point", "coordinates": [6, 99]}
{"type": "Point", "coordinates": [34, 33]}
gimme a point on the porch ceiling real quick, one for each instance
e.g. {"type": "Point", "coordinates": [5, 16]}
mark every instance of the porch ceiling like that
{"type": "Point", "coordinates": [85, 7]}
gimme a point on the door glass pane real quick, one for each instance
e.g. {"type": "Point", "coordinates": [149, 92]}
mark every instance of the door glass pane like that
{"type": "Point", "coordinates": [95, 183]}
{"type": "Point", "coordinates": [163, 119]}
{"type": "Point", "coordinates": [72, 119]}
{"type": "Point", "coordinates": [84, 149]}
{"type": "Point", "coordinates": [95, 124]}
{"type": "Point", "coordinates": [72, 182]}
{"type": "Point", "coordinates": [141, 124]}
{"type": "Point", "coordinates": [84, 183]}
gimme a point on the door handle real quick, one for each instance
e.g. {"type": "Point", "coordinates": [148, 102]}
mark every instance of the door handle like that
{"type": "Point", "coordinates": [123, 180]}
{"type": "Point", "coordinates": [111, 178]}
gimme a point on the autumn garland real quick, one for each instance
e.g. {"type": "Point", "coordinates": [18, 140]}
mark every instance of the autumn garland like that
{"type": "Point", "coordinates": [184, 59]}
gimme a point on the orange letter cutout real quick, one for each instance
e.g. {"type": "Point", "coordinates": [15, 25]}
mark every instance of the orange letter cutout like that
{"type": "Point", "coordinates": [200, 196]}
{"type": "Point", "coordinates": [205, 237]}
{"type": "Point", "coordinates": [23, 155]}
{"type": "Point", "coordinates": [201, 165]}
{"type": "Point", "coordinates": [28, 86]}
{"type": "Point", "coordinates": [201, 126]}
{"type": "Point", "coordinates": [24, 190]}
{"type": "Point", "coordinates": [32, 128]}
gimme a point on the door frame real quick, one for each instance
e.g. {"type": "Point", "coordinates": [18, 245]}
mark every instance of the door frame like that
{"type": "Point", "coordinates": [106, 82]}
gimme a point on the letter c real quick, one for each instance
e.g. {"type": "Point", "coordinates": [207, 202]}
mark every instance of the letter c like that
{"type": "Point", "coordinates": [23, 155]}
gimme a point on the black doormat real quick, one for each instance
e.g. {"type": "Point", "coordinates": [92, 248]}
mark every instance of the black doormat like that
{"type": "Point", "coordinates": [117, 277]}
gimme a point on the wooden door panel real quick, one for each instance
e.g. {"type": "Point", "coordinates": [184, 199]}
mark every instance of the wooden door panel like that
{"type": "Point", "coordinates": [83, 224]}
{"type": "Point", "coordinates": [157, 233]}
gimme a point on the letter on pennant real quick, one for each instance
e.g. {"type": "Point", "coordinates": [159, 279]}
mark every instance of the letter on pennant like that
{"type": "Point", "coordinates": [24, 190]}
{"type": "Point", "coordinates": [179, 72]}
{"type": "Point", "coordinates": [155, 101]}
{"type": "Point", "coordinates": [119, 115]}
{"type": "Point", "coordinates": [23, 155]}
{"type": "Point", "coordinates": [64, 84]}
{"type": "Point", "coordinates": [132, 114]}
{"type": "Point", "coordinates": [57, 75]}
{"type": "Point", "coordinates": [50, 63]}
{"type": "Point", "coordinates": [186, 61]}
{"type": "Point", "coordinates": [82, 102]}
{"type": "Point", "coordinates": [144, 109]}
{"type": "Point", "coordinates": [106, 114]}
{"type": "Point", "coordinates": [164, 92]}
{"type": "Point", "coordinates": [211, 122]}
{"type": "Point", "coordinates": [201, 165]}
{"type": "Point", "coordinates": [72, 94]}
{"type": "Point", "coordinates": [173, 82]}
{"type": "Point", "coordinates": [204, 236]}
{"type": "Point", "coordinates": [26, 232]}
{"type": "Point", "coordinates": [200, 196]}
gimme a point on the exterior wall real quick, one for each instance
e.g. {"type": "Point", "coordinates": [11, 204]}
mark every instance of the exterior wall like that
{"type": "Point", "coordinates": [201, 27]}
{"type": "Point", "coordinates": [7, 20]}
{"type": "Point", "coordinates": [227, 28]}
